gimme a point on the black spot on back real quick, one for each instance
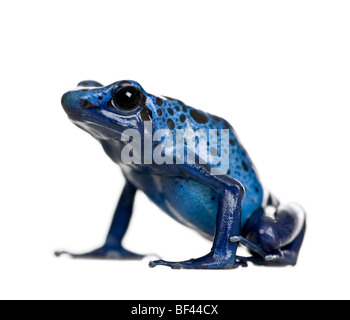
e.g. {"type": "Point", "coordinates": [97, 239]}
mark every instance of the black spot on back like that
{"type": "Point", "coordinates": [171, 124]}
{"type": "Point", "coordinates": [215, 118]}
{"type": "Point", "coordinates": [198, 116]}
{"type": "Point", "coordinates": [177, 108]}
{"type": "Point", "coordinates": [159, 101]}
{"type": "Point", "coordinates": [182, 118]}
{"type": "Point", "coordinates": [160, 112]}
{"type": "Point", "coordinates": [171, 111]}
{"type": "Point", "coordinates": [245, 166]}
{"type": "Point", "coordinates": [100, 98]}
{"type": "Point", "coordinates": [227, 125]}
{"type": "Point", "coordinates": [232, 142]}
{"type": "Point", "coordinates": [146, 114]}
{"type": "Point", "coordinates": [184, 107]}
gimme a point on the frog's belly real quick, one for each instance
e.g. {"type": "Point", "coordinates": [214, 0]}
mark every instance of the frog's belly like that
{"type": "Point", "coordinates": [189, 202]}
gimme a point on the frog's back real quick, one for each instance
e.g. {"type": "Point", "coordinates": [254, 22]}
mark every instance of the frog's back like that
{"type": "Point", "coordinates": [195, 201]}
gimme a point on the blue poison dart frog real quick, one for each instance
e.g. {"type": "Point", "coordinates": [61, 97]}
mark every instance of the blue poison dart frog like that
{"type": "Point", "coordinates": [229, 208]}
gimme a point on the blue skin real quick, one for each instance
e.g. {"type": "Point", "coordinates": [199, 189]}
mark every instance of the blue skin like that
{"type": "Point", "coordinates": [229, 209]}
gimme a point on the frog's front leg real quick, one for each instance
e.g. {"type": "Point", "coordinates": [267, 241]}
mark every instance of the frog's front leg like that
{"type": "Point", "coordinates": [223, 253]}
{"type": "Point", "coordinates": [113, 249]}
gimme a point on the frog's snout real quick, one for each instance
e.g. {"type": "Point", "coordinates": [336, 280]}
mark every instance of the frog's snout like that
{"type": "Point", "coordinates": [75, 101]}
{"type": "Point", "coordinates": [70, 103]}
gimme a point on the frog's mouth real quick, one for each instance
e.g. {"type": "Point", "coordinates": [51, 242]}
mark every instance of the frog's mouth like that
{"type": "Point", "coordinates": [97, 128]}
{"type": "Point", "coordinates": [76, 119]}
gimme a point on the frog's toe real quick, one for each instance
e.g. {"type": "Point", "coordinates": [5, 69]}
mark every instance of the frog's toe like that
{"type": "Point", "coordinates": [117, 253]}
{"type": "Point", "coordinates": [172, 265]}
{"type": "Point", "coordinates": [61, 253]}
{"type": "Point", "coordinates": [210, 261]}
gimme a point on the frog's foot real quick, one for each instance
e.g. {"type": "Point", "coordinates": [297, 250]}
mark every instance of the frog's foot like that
{"type": "Point", "coordinates": [277, 258]}
{"type": "Point", "coordinates": [286, 256]}
{"type": "Point", "coordinates": [105, 252]}
{"type": "Point", "coordinates": [210, 261]}
{"type": "Point", "coordinates": [275, 238]}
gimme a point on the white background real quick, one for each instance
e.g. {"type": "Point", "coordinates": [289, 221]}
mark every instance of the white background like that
{"type": "Point", "coordinates": [279, 71]}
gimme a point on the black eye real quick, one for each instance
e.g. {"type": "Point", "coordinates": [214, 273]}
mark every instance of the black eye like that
{"type": "Point", "coordinates": [127, 98]}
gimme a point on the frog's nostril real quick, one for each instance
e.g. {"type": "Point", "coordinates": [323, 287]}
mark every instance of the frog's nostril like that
{"type": "Point", "coordinates": [74, 102]}
{"type": "Point", "coordinates": [89, 83]}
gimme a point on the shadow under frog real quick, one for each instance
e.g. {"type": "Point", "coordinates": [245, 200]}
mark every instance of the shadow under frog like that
{"type": "Point", "coordinates": [229, 209]}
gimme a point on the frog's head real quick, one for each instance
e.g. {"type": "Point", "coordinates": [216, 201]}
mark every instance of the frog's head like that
{"type": "Point", "coordinates": [106, 111]}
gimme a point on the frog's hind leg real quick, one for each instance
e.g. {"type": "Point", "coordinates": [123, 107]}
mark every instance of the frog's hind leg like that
{"type": "Point", "coordinates": [275, 235]}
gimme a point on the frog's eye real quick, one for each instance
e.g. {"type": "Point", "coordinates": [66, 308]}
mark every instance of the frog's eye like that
{"type": "Point", "coordinates": [127, 98]}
